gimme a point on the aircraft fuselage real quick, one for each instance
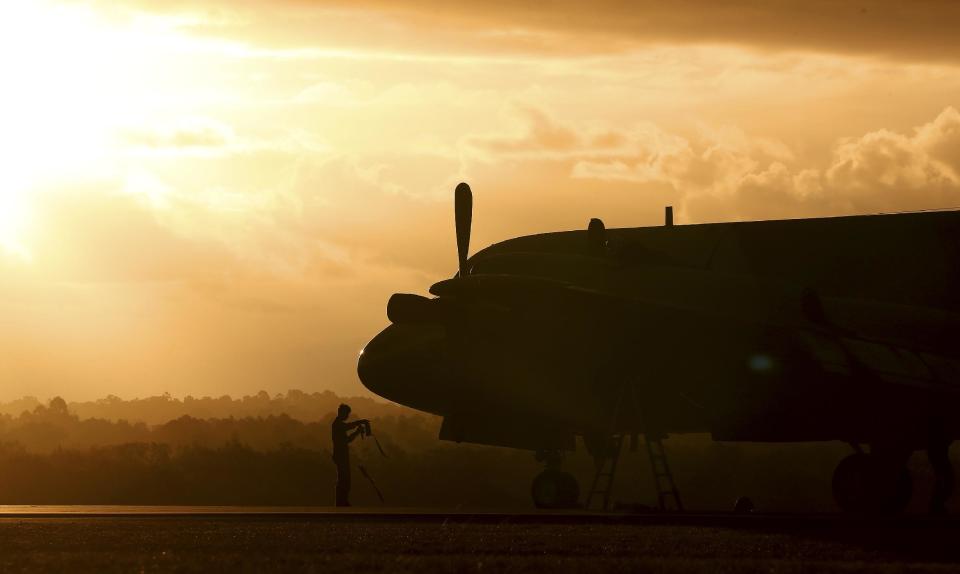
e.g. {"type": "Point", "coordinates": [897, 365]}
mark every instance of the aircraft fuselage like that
{"type": "Point", "coordinates": [821, 329]}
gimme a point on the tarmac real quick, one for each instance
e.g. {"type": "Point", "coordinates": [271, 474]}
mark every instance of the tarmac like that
{"type": "Point", "coordinates": [102, 539]}
{"type": "Point", "coordinates": [462, 516]}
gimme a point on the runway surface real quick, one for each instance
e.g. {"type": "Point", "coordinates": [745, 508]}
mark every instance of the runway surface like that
{"type": "Point", "coordinates": [426, 515]}
{"type": "Point", "coordinates": [315, 539]}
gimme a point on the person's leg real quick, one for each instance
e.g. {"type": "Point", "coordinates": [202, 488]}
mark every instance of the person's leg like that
{"type": "Point", "coordinates": [343, 483]}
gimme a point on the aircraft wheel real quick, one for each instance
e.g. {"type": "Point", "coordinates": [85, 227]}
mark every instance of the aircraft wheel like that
{"type": "Point", "coordinates": [864, 483]}
{"type": "Point", "coordinates": [554, 488]}
{"type": "Point", "coordinates": [903, 493]}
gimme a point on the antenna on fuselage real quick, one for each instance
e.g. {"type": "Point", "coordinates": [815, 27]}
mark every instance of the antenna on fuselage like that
{"type": "Point", "coordinates": [596, 236]}
{"type": "Point", "coordinates": [668, 216]}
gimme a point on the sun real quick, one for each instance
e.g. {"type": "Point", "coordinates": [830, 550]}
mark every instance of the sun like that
{"type": "Point", "coordinates": [72, 78]}
{"type": "Point", "coordinates": [13, 220]}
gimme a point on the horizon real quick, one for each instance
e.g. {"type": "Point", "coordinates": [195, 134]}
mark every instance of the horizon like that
{"type": "Point", "coordinates": [45, 401]}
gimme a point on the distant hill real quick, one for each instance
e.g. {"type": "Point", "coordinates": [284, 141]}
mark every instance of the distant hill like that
{"type": "Point", "coordinates": [263, 423]}
{"type": "Point", "coordinates": [155, 410]}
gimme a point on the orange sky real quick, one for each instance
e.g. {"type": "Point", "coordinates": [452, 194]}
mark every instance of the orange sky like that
{"type": "Point", "coordinates": [218, 197]}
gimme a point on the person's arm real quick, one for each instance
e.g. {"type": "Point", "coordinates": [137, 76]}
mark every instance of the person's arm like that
{"type": "Point", "coordinates": [353, 435]}
{"type": "Point", "coordinates": [359, 425]}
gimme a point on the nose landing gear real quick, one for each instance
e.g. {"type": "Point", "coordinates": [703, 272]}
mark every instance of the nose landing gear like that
{"type": "Point", "coordinates": [554, 488]}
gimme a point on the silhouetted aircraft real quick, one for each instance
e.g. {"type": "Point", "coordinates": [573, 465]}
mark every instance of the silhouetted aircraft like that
{"type": "Point", "coordinates": [843, 328]}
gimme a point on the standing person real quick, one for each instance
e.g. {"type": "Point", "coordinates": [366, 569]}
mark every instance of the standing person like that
{"type": "Point", "coordinates": [341, 450]}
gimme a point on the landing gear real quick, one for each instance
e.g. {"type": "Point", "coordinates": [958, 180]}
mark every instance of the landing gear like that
{"type": "Point", "coordinates": [871, 483]}
{"type": "Point", "coordinates": [938, 453]}
{"type": "Point", "coordinates": [554, 488]}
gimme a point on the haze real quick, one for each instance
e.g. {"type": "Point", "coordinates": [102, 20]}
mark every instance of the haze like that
{"type": "Point", "coordinates": [219, 197]}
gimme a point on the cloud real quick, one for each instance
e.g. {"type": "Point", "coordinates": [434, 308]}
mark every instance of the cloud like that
{"type": "Point", "coordinates": [940, 140]}
{"type": "Point", "coordinates": [369, 208]}
{"type": "Point", "coordinates": [327, 93]}
{"type": "Point", "coordinates": [203, 134]}
{"type": "Point", "coordinates": [333, 214]}
{"type": "Point", "coordinates": [738, 177]}
{"type": "Point", "coordinates": [911, 30]}
{"type": "Point", "coordinates": [888, 170]}
{"type": "Point", "coordinates": [538, 135]}
{"type": "Point", "coordinates": [183, 137]}
{"type": "Point", "coordinates": [541, 134]}
{"type": "Point", "coordinates": [106, 235]}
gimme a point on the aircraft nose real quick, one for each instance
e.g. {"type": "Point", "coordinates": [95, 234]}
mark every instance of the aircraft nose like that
{"type": "Point", "coordinates": [405, 364]}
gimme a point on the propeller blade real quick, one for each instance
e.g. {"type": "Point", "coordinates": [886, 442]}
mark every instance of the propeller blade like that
{"type": "Point", "coordinates": [463, 215]}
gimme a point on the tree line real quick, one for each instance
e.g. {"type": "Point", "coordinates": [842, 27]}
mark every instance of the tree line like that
{"type": "Point", "coordinates": [159, 409]}
{"type": "Point", "coordinates": [50, 454]}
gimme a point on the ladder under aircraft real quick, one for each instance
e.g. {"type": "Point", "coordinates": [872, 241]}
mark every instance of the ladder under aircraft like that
{"type": "Point", "coordinates": [662, 476]}
{"type": "Point", "coordinates": [606, 472]}
{"type": "Point", "coordinates": [668, 496]}
{"type": "Point", "coordinates": [601, 488]}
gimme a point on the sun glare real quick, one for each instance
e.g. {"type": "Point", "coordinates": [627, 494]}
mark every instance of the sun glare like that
{"type": "Point", "coordinates": [72, 79]}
